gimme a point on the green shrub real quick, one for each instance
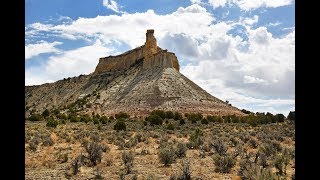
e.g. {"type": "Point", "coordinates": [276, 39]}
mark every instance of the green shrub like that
{"type": "Point", "coordinates": [35, 117]}
{"type": "Point", "coordinates": [253, 171]}
{"type": "Point", "coordinates": [204, 121]}
{"type": "Point", "coordinates": [154, 119]}
{"type": "Point", "coordinates": [169, 115]}
{"type": "Point", "coordinates": [160, 113]}
{"type": "Point", "coordinates": [95, 120]}
{"type": "Point", "coordinates": [182, 122]}
{"type": "Point", "coordinates": [73, 118]}
{"type": "Point", "coordinates": [121, 115]}
{"type": "Point", "coordinates": [120, 125]}
{"type": "Point", "coordinates": [61, 116]}
{"type": "Point", "coordinates": [194, 117]}
{"type": "Point", "coordinates": [181, 150]}
{"type": "Point", "coordinates": [170, 126]}
{"type": "Point", "coordinates": [94, 151]}
{"type": "Point", "coordinates": [52, 123]}
{"type": "Point", "coordinates": [292, 115]}
{"type": "Point", "coordinates": [177, 116]}
{"type": "Point", "coordinates": [214, 119]}
{"type": "Point", "coordinates": [45, 113]}
{"type": "Point", "coordinates": [85, 118]}
{"type": "Point", "coordinates": [224, 163]}
{"type": "Point", "coordinates": [166, 155]}
{"type": "Point", "coordinates": [127, 158]}
{"type": "Point", "coordinates": [196, 139]}
{"type": "Point", "coordinates": [279, 117]}
{"type": "Point", "coordinates": [111, 117]}
{"type": "Point", "coordinates": [104, 119]}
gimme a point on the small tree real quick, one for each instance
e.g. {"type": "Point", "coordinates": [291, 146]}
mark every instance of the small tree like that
{"type": "Point", "coordinates": [155, 119]}
{"type": "Point", "coordinates": [177, 116]}
{"type": "Point", "coordinates": [35, 117]}
{"type": "Point", "coordinates": [170, 126]}
{"type": "Point", "coordinates": [122, 115]}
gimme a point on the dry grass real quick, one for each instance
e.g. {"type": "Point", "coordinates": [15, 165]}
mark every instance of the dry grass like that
{"type": "Point", "coordinates": [49, 162]}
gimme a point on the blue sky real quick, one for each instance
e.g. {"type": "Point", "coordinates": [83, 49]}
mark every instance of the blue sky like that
{"type": "Point", "coordinates": [242, 51]}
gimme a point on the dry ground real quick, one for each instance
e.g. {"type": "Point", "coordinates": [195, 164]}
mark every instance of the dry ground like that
{"type": "Point", "coordinates": [57, 148]}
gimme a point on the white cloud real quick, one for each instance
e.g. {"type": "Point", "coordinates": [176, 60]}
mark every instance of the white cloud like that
{"type": "Point", "coordinates": [253, 80]}
{"type": "Point", "coordinates": [196, 1]}
{"type": "Point", "coordinates": [249, 21]}
{"type": "Point", "coordinates": [217, 3]}
{"type": "Point", "coordinates": [248, 5]}
{"type": "Point", "coordinates": [254, 4]}
{"type": "Point", "coordinates": [42, 47]}
{"type": "Point", "coordinates": [113, 5]}
{"type": "Point", "coordinates": [68, 64]}
{"type": "Point", "coordinates": [275, 24]}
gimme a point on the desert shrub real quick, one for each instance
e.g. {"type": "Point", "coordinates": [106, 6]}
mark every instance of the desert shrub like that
{"type": "Point", "coordinates": [52, 123]}
{"type": "Point", "coordinates": [245, 111]}
{"type": "Point", "coordinates": [170, 127]}
{"type": "Point", "coordinates": [263, 160]}
{"type": "Point", "coordinates": [158, 112]}
{"type": "Point", "coordinates": [166, 155]}
{"type": "Point", "coordinates": [279, 117]}
{"type": "Point", "coordinates": [33, 145]}
{"type": "Point", "coordinates": [127, 158]}
{"type": "Point", "coordinates": [270, 148]}
{"type": "Point", "coordinates": [76, 164]}
{"type": "Point", "coordinates": [279, 164]}
{"type": "Point", "coordinates": [104, 119]}
{"type": "Point", "coordinates": [177, 116]}
{"type": "Point", "coordinates": [45, 113]}
{"type": "Point", "coordinates": [154, 119]}
{"type": "Point", "coordinates": [35, 117]}
{"type": "Point", "coordinates": [121, 115]}
{"type": "Point", "coordinates": [131, 143]}
{"type": "Point", "coordinates": [214, 119]}
{"type": "Point", "coordinates": [95, 120]}
{"type": "Point", "coordinates": [204, 121]}
{"type": "Point", "coordinates": [111, 117]}
{"type": "Point", "coordinates": [94, 151]}
{"type": "Point", "coordinates": [219, 146]}
{"type": "Point", "coordinates": [194, 117]}
{"type": "Point", "coordinates": [84, 118]}
{"type": "Point", "coordinates": [73, 118]}
{"type": "Point", "coordinates": [62, 116]}
{"type": "Point", "coordinates": [120, 125]}
{"type": "Point", "coordinates": [47, 141]}
{"type": "Point", "coordinates": [185, 171]}
{"type": "Point", "coordinates": [292, 115]}
{"type": "Point", "coordinates": [255, 172]}
{"type": "Point", "coordinates": [223, 163]}
{"type": "Point", "coordinates": [253, 143]}
{"type": "Point", "coordinates": [181, 150]}
{"type": "Point", "coordinates": [62, 157]}
{"type": "Point", "coordinates": [196, 139]}
{"type": "Point", "coordinates": [169, 115]}
{"type": "Point", "coordinates": [181, 122]}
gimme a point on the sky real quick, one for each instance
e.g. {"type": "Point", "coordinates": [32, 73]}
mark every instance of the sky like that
{"type": "Point", "coordinates": [241, 51]}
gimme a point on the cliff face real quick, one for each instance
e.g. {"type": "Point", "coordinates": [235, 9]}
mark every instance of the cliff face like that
{"type": "Point", "coordinates": [151, 55]}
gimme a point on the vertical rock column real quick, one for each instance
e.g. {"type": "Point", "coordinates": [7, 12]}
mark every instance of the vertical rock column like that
{"type": "Point", "coordinates": [150, 48]}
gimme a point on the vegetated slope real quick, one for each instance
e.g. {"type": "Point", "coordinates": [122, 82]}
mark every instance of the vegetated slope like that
{"type": "Point", "coordinates": [136, 91]}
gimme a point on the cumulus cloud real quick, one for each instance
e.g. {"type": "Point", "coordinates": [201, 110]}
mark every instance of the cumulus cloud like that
{"type": "Point", "coordinates": [32, 50]}
{"type": "Point", "coordinates": [248, 5]}
{"type": "Point", "coordinates": [68, 64]}
{"type": "Point", "coordinates": [113, 5]}
{"type": "Point", "coordinates": [196, 1]}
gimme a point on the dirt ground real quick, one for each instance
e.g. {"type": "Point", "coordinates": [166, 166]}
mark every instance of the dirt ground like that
{"type": "Point", "coordinates": [50, 153]}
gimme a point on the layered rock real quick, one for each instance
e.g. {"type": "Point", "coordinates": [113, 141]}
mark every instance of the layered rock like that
{"type": "Point", "coordinates": [151, 55]}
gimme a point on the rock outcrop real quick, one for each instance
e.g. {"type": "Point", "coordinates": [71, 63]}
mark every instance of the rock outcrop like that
{"type": "Point", "coordinates": [150, 54]}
